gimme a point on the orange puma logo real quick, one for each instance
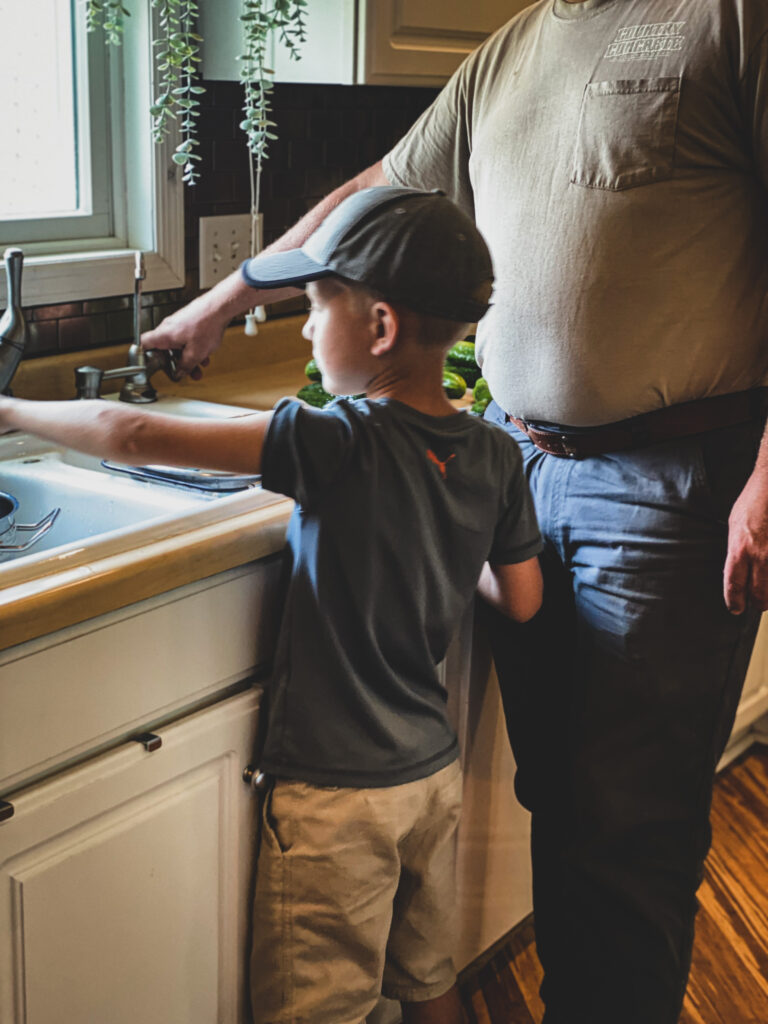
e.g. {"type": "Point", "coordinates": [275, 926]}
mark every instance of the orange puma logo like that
{"type": "Point", "coordinates": [441, 464]}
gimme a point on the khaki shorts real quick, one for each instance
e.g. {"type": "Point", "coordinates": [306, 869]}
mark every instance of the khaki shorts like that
{"type": "Point", "coordinates": [355, 896]}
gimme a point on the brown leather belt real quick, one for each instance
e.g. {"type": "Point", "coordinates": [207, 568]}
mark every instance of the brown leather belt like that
{"type": "Point", "coordinates": [673, 421]}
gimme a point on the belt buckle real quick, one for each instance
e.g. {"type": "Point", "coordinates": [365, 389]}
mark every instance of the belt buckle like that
{"type": "Point", "coordinates": [568, 451]}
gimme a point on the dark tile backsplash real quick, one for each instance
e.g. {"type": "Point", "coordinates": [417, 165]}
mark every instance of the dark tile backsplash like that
{"type": "Point", "coordinates": [326, 134]}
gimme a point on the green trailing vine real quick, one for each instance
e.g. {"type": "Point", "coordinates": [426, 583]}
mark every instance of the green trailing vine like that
{"type": "Point", "coordinates": [177, 54]}
{"type": "Point", "coordinates": [176, 59]}
{"type": "Point", "coordinates": [260, 18]}
{"type": "Point", "coordinates": [108, 15]}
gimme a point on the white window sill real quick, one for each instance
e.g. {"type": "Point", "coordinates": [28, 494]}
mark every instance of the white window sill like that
{"type": "Point", "coordinates": [55, 278]}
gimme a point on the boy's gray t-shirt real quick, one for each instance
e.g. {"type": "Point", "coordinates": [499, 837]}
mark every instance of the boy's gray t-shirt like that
{"type": "Point", "coordinates": [615, 156]}
{"type": "Point", "coordinates": [396, 513]}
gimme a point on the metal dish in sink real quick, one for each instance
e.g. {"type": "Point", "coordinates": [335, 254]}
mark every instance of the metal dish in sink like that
{"type": "Point", "coordinates": [209, 480]}
{"type": "Point", "coordinates": [9, 506]}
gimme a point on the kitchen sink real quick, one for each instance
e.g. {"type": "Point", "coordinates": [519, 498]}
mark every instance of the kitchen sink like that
{"type": "Point", "coordinates": [102, 509]}
{"type": "Point", "coordinates": [90, 502]}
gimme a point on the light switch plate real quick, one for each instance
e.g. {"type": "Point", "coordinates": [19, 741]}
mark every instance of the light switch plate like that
{"type": "Point", "coordinates": [224, 243]}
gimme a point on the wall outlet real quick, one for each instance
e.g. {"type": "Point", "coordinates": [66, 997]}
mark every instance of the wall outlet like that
{"type": "Point", "coordinates": [224, 243]}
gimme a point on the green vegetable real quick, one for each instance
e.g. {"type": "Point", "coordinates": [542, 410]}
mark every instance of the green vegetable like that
{"type": "Point", "coordinates": [481, 393]}
{"type": "Point", "coordinates": [314, 394]}
{"type": "Point", "coordinates": [461, 359]}
{"type": "Point", "coordinates": [462, 354]}
{"type": "Point", "coordinates": [454, 384]}
{"type": "Point", "coordinates": [312, 370]}
{"type": "Point", "coordinates": [478, 408]}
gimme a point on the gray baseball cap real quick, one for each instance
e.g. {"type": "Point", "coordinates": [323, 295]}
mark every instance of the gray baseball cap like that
{"type": "Point", "coordinates": [413, 247]}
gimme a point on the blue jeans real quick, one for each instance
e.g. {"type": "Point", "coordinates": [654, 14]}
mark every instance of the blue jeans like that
{"type": "Point", "coordinates": [619, 698]}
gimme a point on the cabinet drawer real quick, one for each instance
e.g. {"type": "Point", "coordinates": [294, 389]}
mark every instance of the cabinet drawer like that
{"type": "Point", "coordinates": [86, 688]}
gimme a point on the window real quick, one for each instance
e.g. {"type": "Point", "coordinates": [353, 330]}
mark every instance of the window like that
{"type": "Point", "coordinates": [57, 155]}
{"type": "Point", "coordinates": [82, 185]}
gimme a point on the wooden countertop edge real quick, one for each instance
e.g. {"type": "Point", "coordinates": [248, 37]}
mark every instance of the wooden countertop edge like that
{"type": "Point", "coordinates": [75, 595]}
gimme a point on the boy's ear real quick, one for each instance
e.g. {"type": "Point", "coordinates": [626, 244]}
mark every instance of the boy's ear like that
{"type": "Point", "coordinates": [386, 328]}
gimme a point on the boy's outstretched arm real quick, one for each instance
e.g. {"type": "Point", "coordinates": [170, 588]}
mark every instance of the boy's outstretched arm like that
{"type": "Point", "coordinates": [515, 590]}
{"type": "Point", "coordinates": [136, 436]}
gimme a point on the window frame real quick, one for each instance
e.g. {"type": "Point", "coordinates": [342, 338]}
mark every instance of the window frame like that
{"type": "Point", "coordinates": [152, 217]}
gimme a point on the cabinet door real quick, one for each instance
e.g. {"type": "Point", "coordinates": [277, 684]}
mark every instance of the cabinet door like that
{"type": "Point", "coordinates": [422, 42]}
{"type": "Point", "coordinates": [125, 882]}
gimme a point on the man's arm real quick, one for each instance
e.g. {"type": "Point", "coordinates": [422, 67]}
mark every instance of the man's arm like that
{"type": "Point", "coordinates": [515, 590]}
{"type": "Point", "coordinates": [136, 436]}
{"type": "Point", "coordinates": [197, 329]}
{"type": "Point", "coordinates": [745, 578]}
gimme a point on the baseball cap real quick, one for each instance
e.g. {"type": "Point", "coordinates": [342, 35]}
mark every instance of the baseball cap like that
{"type": "Point", "coordinates": [415, 247]}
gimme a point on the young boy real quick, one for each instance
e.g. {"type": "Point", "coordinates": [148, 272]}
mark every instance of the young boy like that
{"type": "Point", "coordinates": [403, 504]}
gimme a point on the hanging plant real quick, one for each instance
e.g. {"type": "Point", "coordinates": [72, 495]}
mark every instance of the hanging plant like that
{"type": "Point", "coordinates": [107, 15]}
{"type": "Point", "coordinates": [261, 18]}
{"type": "Point", "coordinates": [176, 56]}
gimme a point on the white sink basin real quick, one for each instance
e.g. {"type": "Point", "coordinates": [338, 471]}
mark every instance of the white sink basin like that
{"type": "Point", "coordinates": [100, 511]}
{"type": "Point", "coordinates": [91, 502]}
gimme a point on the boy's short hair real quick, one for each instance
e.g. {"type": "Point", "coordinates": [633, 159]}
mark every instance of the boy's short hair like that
{"type": "Point", "coordinates": [415, 248]}
{"type": "Point", "coordinates": [428, 329]}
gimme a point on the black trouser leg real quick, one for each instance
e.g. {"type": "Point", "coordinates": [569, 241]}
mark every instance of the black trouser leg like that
{"type": "Point", "coordinates": [619, 697]}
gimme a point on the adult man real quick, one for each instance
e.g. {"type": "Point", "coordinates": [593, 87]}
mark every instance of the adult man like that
{"type": "Point", "coordinates": [615, 155]}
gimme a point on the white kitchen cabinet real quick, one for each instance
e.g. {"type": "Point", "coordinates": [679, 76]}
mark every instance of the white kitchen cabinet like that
{"type": "Point", "coordinates": [362, 42]}
{"type": "Point", "coordinates": [126, 881]}
{"type": "Point", "coordinates": [125, 860]}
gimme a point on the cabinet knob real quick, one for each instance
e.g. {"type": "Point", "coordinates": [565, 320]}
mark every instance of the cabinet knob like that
{"type": "Point", "coordinates": [254, 778]}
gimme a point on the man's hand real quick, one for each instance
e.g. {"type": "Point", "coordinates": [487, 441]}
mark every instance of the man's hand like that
{"type": "Point", "coordinates": [195, 330]}
{"type": "Point", "coordinates": [745, 578]}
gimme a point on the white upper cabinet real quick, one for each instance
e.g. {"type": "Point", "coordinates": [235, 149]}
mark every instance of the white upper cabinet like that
{"type": "Point", "coordinates": [422, 42]}
{"type": "Point", "coordinates": [363, 42]}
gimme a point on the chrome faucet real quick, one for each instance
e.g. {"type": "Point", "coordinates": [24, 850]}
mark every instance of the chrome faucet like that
{"type": "Point", "coordinates": [141, 365]}
{"type": "Point", "coordinates": [13, 329]}
{"type": "Point", "coordinates": [137, 387]}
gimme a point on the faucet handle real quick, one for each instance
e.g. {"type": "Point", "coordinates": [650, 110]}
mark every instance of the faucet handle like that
{"type": "Point", "coordinates": [165, 360]}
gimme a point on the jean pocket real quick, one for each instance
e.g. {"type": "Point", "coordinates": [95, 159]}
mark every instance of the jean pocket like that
{"type": "Point", "coordinates": [626, 133]}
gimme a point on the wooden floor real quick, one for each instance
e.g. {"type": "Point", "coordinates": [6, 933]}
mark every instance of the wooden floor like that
{"type": "Point", "coordinates": [729, 977]}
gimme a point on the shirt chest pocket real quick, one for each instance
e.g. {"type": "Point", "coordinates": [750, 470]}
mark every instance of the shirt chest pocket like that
{"type": "Point", "coordinates": [626, 133]}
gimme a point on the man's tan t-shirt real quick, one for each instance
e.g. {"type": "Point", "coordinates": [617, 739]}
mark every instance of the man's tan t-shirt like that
{"type": "Point", "coordinates": [615, 156]}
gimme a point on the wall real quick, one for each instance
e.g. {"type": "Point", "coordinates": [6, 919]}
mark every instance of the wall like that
{"type": "Point", "coordinates": [326, 134]}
